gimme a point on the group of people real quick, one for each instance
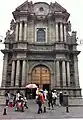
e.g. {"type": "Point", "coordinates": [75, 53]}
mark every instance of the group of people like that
{"type": "Point", "coordinates": [18, 100]}
{"type": "Point", "coordinates": [42, 97]}
{"type": "Point", "coordinates": [49, 96]}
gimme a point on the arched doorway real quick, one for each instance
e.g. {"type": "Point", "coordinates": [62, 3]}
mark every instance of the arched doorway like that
{"type": "Point", "coordinates": [41, 76]}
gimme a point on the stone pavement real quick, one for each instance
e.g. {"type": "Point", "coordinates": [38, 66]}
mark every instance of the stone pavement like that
{"type": "Point", "coordinates": [59, 112]}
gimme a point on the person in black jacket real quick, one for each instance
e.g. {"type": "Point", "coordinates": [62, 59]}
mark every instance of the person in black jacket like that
{"type": "Point", "coordinates": [49, 97]}
{"type": "Point", "coordinates": [61, 98]}
{"type": "Point", "coordinates": [38, 101]}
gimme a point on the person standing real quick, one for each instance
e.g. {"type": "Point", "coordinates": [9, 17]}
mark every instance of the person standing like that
{"type": "Point", "coordinates": [7, 96]}
{"type": "Point", "coordinates": [61, 98]}
{"type": "Point", "coordinates": [38, 101]}
{"type": "Point", "coordinates": [25, 102]}
{"type": "Point", "coordinates": [54, 97]}
{"type": "Point", "coordinates": [45, 94]}
{"type": "Point", "coordinates": [42, 98]}
{"type": "Point", "coordinates": [49, 97]}
{"type": "Point", "coordinates": [17, 95]}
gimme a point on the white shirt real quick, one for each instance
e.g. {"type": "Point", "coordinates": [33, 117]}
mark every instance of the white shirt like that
{"type": "Point", "coordinates": [54, 95]}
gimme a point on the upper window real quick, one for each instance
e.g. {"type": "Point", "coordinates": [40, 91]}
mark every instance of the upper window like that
{"type": "Point", "coordinates": [41, 35]}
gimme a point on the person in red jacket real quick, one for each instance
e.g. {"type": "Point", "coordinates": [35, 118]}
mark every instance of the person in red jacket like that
{"type": "Point", "coordinates": [42, 98]}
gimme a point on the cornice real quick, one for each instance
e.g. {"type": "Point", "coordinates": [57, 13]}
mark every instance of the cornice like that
{"type": "Point", "coordinates": [61, 15]}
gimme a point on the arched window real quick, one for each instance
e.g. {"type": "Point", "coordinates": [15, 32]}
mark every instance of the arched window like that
{"type": "Point", "coordinates": [41, 35]}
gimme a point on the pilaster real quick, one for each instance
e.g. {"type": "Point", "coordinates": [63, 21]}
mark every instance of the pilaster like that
{"type": "Point", "coordinates": [25, 31]}
{"type": "Point", "coordinates": [20, 32]}
{"type": "Point", "coordinates": [61, 32]}
{"type": "Point", "coordinates": [4, 75]}
{"type": "Point", "coordinates": [64, 73]}
{"type": "Point", "coordinates": [24, 73]}
{"type": "Point", "coordinates": [13, 73]}
{"type": "Point", "coordinates": [65, 33]}
{"type": "Point", "coordinates": [57, 74]}
{"type": "Point", "coordinates": [17, 32]}
{"type": "Point", "coordinates": [56, 31]}
{"type": "Point", "coordinates": [17, 73]}
{"type": "Point", "coordinates": [68, 73]}
{"type": "Point", "coordinates": [76, 75]}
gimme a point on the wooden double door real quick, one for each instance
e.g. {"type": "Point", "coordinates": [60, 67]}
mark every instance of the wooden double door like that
{"type": "Point", "coordinates": [41, 76]}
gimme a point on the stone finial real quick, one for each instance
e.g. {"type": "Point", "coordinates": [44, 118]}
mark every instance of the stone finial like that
{"type": "Point", "coordinates": [7, 35]}
{"type": "Point", "coordinates": [74, 34]}
{"type": "Point", "coordinates": [74, 40]}
{"type": "Point", "coordinates": [12, 25]}
{"type": "Point", "coordinates": [69, 26]}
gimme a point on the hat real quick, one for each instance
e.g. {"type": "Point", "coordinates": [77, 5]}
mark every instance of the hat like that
{"type": "Point", "coordinates": [55, 90]}
{"type": "Point", "coordinates": [60, 91]}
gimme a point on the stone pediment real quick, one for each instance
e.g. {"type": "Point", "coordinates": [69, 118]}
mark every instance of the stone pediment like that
{"type": "Point", "coordinates": [23, 7]}
{"type": "Point", "coordinates": [29, 6]}
{"type": "Point", "coordinates": [40, 9]}
{"type": "Point", "coordinates": [57, 7]}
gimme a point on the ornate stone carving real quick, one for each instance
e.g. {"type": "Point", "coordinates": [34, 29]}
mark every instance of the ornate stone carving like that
{"type": "Point", "coordinates": [12, 25]}
{"type": "Point", "coordinates": [7, 35]}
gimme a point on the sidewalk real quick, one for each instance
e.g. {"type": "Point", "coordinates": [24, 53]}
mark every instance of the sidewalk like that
{"type": "Point", "coordinates": [59, 112]}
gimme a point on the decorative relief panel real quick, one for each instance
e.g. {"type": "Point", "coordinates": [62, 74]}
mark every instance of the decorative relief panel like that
{"type": "Point", "coordinates": [41, 8]}
{"type": "Point", "coordinates": [40, 48]}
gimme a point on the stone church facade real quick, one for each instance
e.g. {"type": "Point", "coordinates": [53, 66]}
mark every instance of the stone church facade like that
{"type": "Point", "coordinates": [40, 49]}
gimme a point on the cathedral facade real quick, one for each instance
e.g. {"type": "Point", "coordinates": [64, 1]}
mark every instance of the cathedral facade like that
{"type": "Point", "coordinates": [40, 49]}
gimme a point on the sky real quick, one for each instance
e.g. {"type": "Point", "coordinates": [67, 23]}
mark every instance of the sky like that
{"type": "Point", "coordinates": [74, 7]}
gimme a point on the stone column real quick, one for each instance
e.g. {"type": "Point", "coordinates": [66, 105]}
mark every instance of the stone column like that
{"type": "Point", "coordinates": [17, 32]}
{"type": "Point", "coordinates": [4, 75]}
{"type": "Point", "coordinates": [25, 31]}
{"type": "Point", "coordinates": [57, 36]}
{"type": "Point", "coordinates": [13, 73]}
{"type": "Point", "coordinates": [17, 73]}
{"type": "Point", "coordinates": [76, 75]}
{"type": "Point", "coordinates": [61, 32]}
{"type": "Point", "coordinates": [65, 33]}
{"type": "Point", "coordinates": [54, 83]}
{"type": "Point", "coordinates": [27, 76]}
{"type": "Point", "coordinates": [57, 74]}
{"type": "Point", "coordinates": [68, 73]}
{"type": "Point", "coordinates": [63, 73]}
{"type": "Point", "coordinates": [20, 32]}
{"type": "Point", "coordinates": [24, 73]}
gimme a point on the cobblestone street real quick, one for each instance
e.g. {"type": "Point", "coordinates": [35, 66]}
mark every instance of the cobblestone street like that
{"type": "Point", "coordinates": [59, 112]}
